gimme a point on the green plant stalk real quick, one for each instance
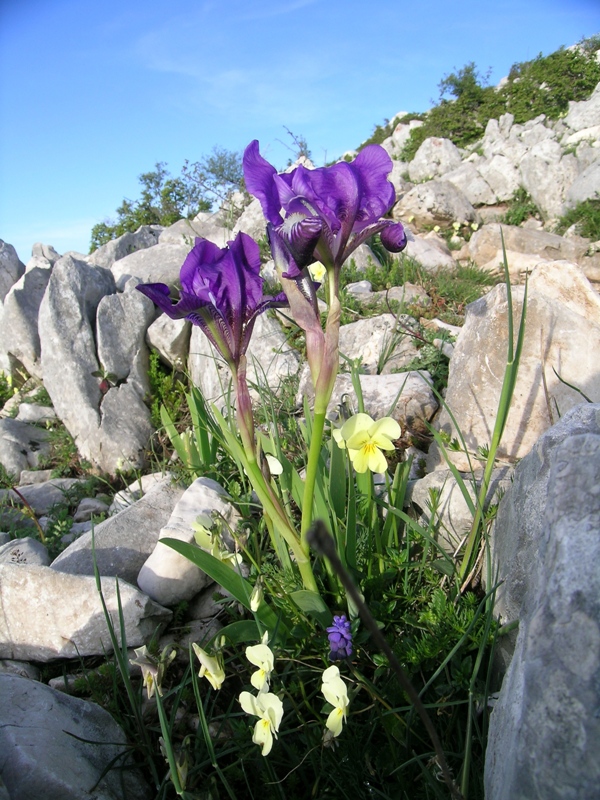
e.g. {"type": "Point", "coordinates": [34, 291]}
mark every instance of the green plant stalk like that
{"type": "Point", "coordinates": [31, 513]}
{"type": "Point", "coordinates": [166, 734]}
{"type": "Point", "coordinates": [508, 386]}
{"type": "Point", "coordinates": [274, 510]}
{"type": "Point", "coordinates": [270, 502]}
{"type": "Point", "coordinates": [323, 391]}
{"type": "Point", "coordinates": [312, 466]}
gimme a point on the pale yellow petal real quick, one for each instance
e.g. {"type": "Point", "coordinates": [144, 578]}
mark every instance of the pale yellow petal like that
{"type": "Point", "coordinates": [260, 680]}
{"type": "Point", "coordinates": [249, 704]}
{"type": "Point", "coordinates": [260, 655]}
{"type": "Point", "coordinates": [376, 461]}
{"type": "Point", "coordinates": [337, 435]}
{"type": "Point", "coordinates": [359, 422]}
{"type": "Point", "coordinates": [385, 427]}
{"type": "Point", "coordinates": [358, 440]}
{"type": "Point", "coordinates": [263, 736]}
{"type": "Point", "coordinates": [360, 459]}
{"type": "Point", "coordinates": [335, 721]}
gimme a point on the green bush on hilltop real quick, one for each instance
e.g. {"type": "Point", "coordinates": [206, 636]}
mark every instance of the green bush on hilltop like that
{"type": "Point", "coordinates": [544, 85]}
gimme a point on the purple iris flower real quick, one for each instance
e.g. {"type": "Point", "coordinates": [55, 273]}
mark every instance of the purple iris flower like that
{"type": "Point", "coordinates": [340, 639]}
{"type": "Point", "coordinates": [221, 291]}
{"type": "Point", "coordinates": [325, 214]}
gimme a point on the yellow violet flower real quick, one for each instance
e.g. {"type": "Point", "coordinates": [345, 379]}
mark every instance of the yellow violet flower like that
{"type": "Point", "coordinates": [269, 708]}
{"type": "Point", "coordinates": [153, 667]}
{"type": "Point", "coordinates": [256, 597]}
{"type": "Point", "coordinates": [211, 667]}
{"type": "Point", "coordinates": [317, 271]}
{"type": "Point", "coordinates": [262, 657]}
{"type": "Point", "coordinates": [365, 439]}
{"type": "Point", "coordinates": [335, 692]}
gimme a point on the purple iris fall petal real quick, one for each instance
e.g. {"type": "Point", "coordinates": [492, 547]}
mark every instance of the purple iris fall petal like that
{"type": "Point", "coordinates": [349, 200]}
{"type": "Point", "coordinates": [221, 292]}
{"type": "Point", "coordinates": [340, 639]}
{"type": "Point", "coordinates": [393, 237]}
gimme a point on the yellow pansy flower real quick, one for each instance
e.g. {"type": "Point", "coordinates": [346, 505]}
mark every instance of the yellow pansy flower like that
{"type": "Point", "coordinates": [365, 439]}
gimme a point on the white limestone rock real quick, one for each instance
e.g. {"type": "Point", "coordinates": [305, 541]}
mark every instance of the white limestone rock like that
{"type": "Point", "coordinates": [66, 619]}
{"type": "Point", "coordinates": [49, 743]}
{"type": "Point", "coordinates": [434, 158]}
{"type": "Point", "coordinates": [563, 311]}
{"type": "Point", "coordinates": [168, 577]}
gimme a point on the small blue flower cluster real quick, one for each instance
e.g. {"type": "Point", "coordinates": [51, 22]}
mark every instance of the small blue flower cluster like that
{"type": "Point", "coordinates": [340, 639]}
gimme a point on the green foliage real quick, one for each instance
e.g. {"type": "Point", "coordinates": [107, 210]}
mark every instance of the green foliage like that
{"type": "Point", "coordinates": [163, 201]}
{"type": "Point", "coordinates": [547, 84]}
{"type": "Point", "coordinates": [64, 459]}
{"type": "Point", "coordinates": [167, 388]}
{"type": "Point", "coordinates": [431, 358]}
{"type": "Point", "coordinates": [586, 216]}
{"type": "Point", "coordinates": [216, 176]}
{"type": "Point", "coordinates": [541, 86]}
{"type": "Point", "coordinates": [6, 389]}
{"type": "Point", "coordinates": [520, 208]}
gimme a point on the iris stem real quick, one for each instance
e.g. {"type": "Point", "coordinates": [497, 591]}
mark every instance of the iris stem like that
{"type": "Point", "coordinates": [314, 454]}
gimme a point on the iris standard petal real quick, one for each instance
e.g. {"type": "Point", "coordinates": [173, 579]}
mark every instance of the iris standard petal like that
{"type": "Point", "coordinates": [258, 176]}
{"type": "Point", "coordinates": [377, 194]}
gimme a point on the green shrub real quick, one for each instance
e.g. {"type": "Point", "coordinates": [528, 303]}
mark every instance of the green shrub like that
{"type": "Point", "coordinates": [520, 208]}
{"type": "Point", "coordinates": [544, 85]}
{"type": "Point", "coordinates": [586, 216]}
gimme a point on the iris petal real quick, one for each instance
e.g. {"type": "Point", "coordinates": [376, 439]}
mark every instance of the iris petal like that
{"type": "Point", "coordinates": [258, 175]}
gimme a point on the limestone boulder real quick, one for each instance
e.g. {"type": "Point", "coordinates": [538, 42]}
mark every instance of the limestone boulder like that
{"type": "Point", "coordinates": [486, 244]}
{"type": "Point", "coordinates": [21, 446]}
{"type": "Point", "coordinates": [123, 542]}
{"type": "Point", "coordinates": [402, 132]}
{"type": "Point", "coordinates": [435, 202]}
{"type": "Point", "coordinates": [380, 343]}
{"type": "Point", "coordinates": [586, 185]}
{"type": "Point", "coordinates": [544, 735]}
{"type": "Point", "coordinates": [449, 514]}
{"type": "Point", "coordinates": [24, 551]}
{"type": "Point", "coordinates": [501, 175]}
{"type": "Point", "coordinates": [434, 158]}
{"type": "Point", "coordinates": [11, 268]}
{"type": "Point", "coordinates": [86, 328]}
{"type": "Point", "coordinates": [252, 221]}
{"type": "Point", "coordinates": [205, 225]}
{"type": "Point", "coordinates": [19, 326]}
{"type": "Point", "coordinates": [158, 264]}
{"type": "Point", "coordinates": [66, 620]}
{"type": "Point", "coordinates": [468, 178]}
{"type": "Point", "coordinates": [408, 395]}
{"type": "Point", "coordinates": [125, 245]}
{"type": "Point", "coordinates": [584, 113]}
{"type": "Point", "coordinates": [431, 253]}
{"type": "Point", "coordinates": [171, 339]}
{"type": "Point", "coordinates": [51, 749]}
{"type": "Point", "coordinates": [547, 174]}
{"type": "Point", "coordinates": [562, 312]}
{"type": "Point", "coordinates": [168, 577]}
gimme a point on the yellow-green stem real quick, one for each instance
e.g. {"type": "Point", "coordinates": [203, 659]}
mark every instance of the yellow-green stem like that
{"type": "Point", "coordinates": [314, 454]}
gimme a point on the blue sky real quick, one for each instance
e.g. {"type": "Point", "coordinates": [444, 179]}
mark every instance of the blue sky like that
{"type": "Point", "coordinates": [94, 93]}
